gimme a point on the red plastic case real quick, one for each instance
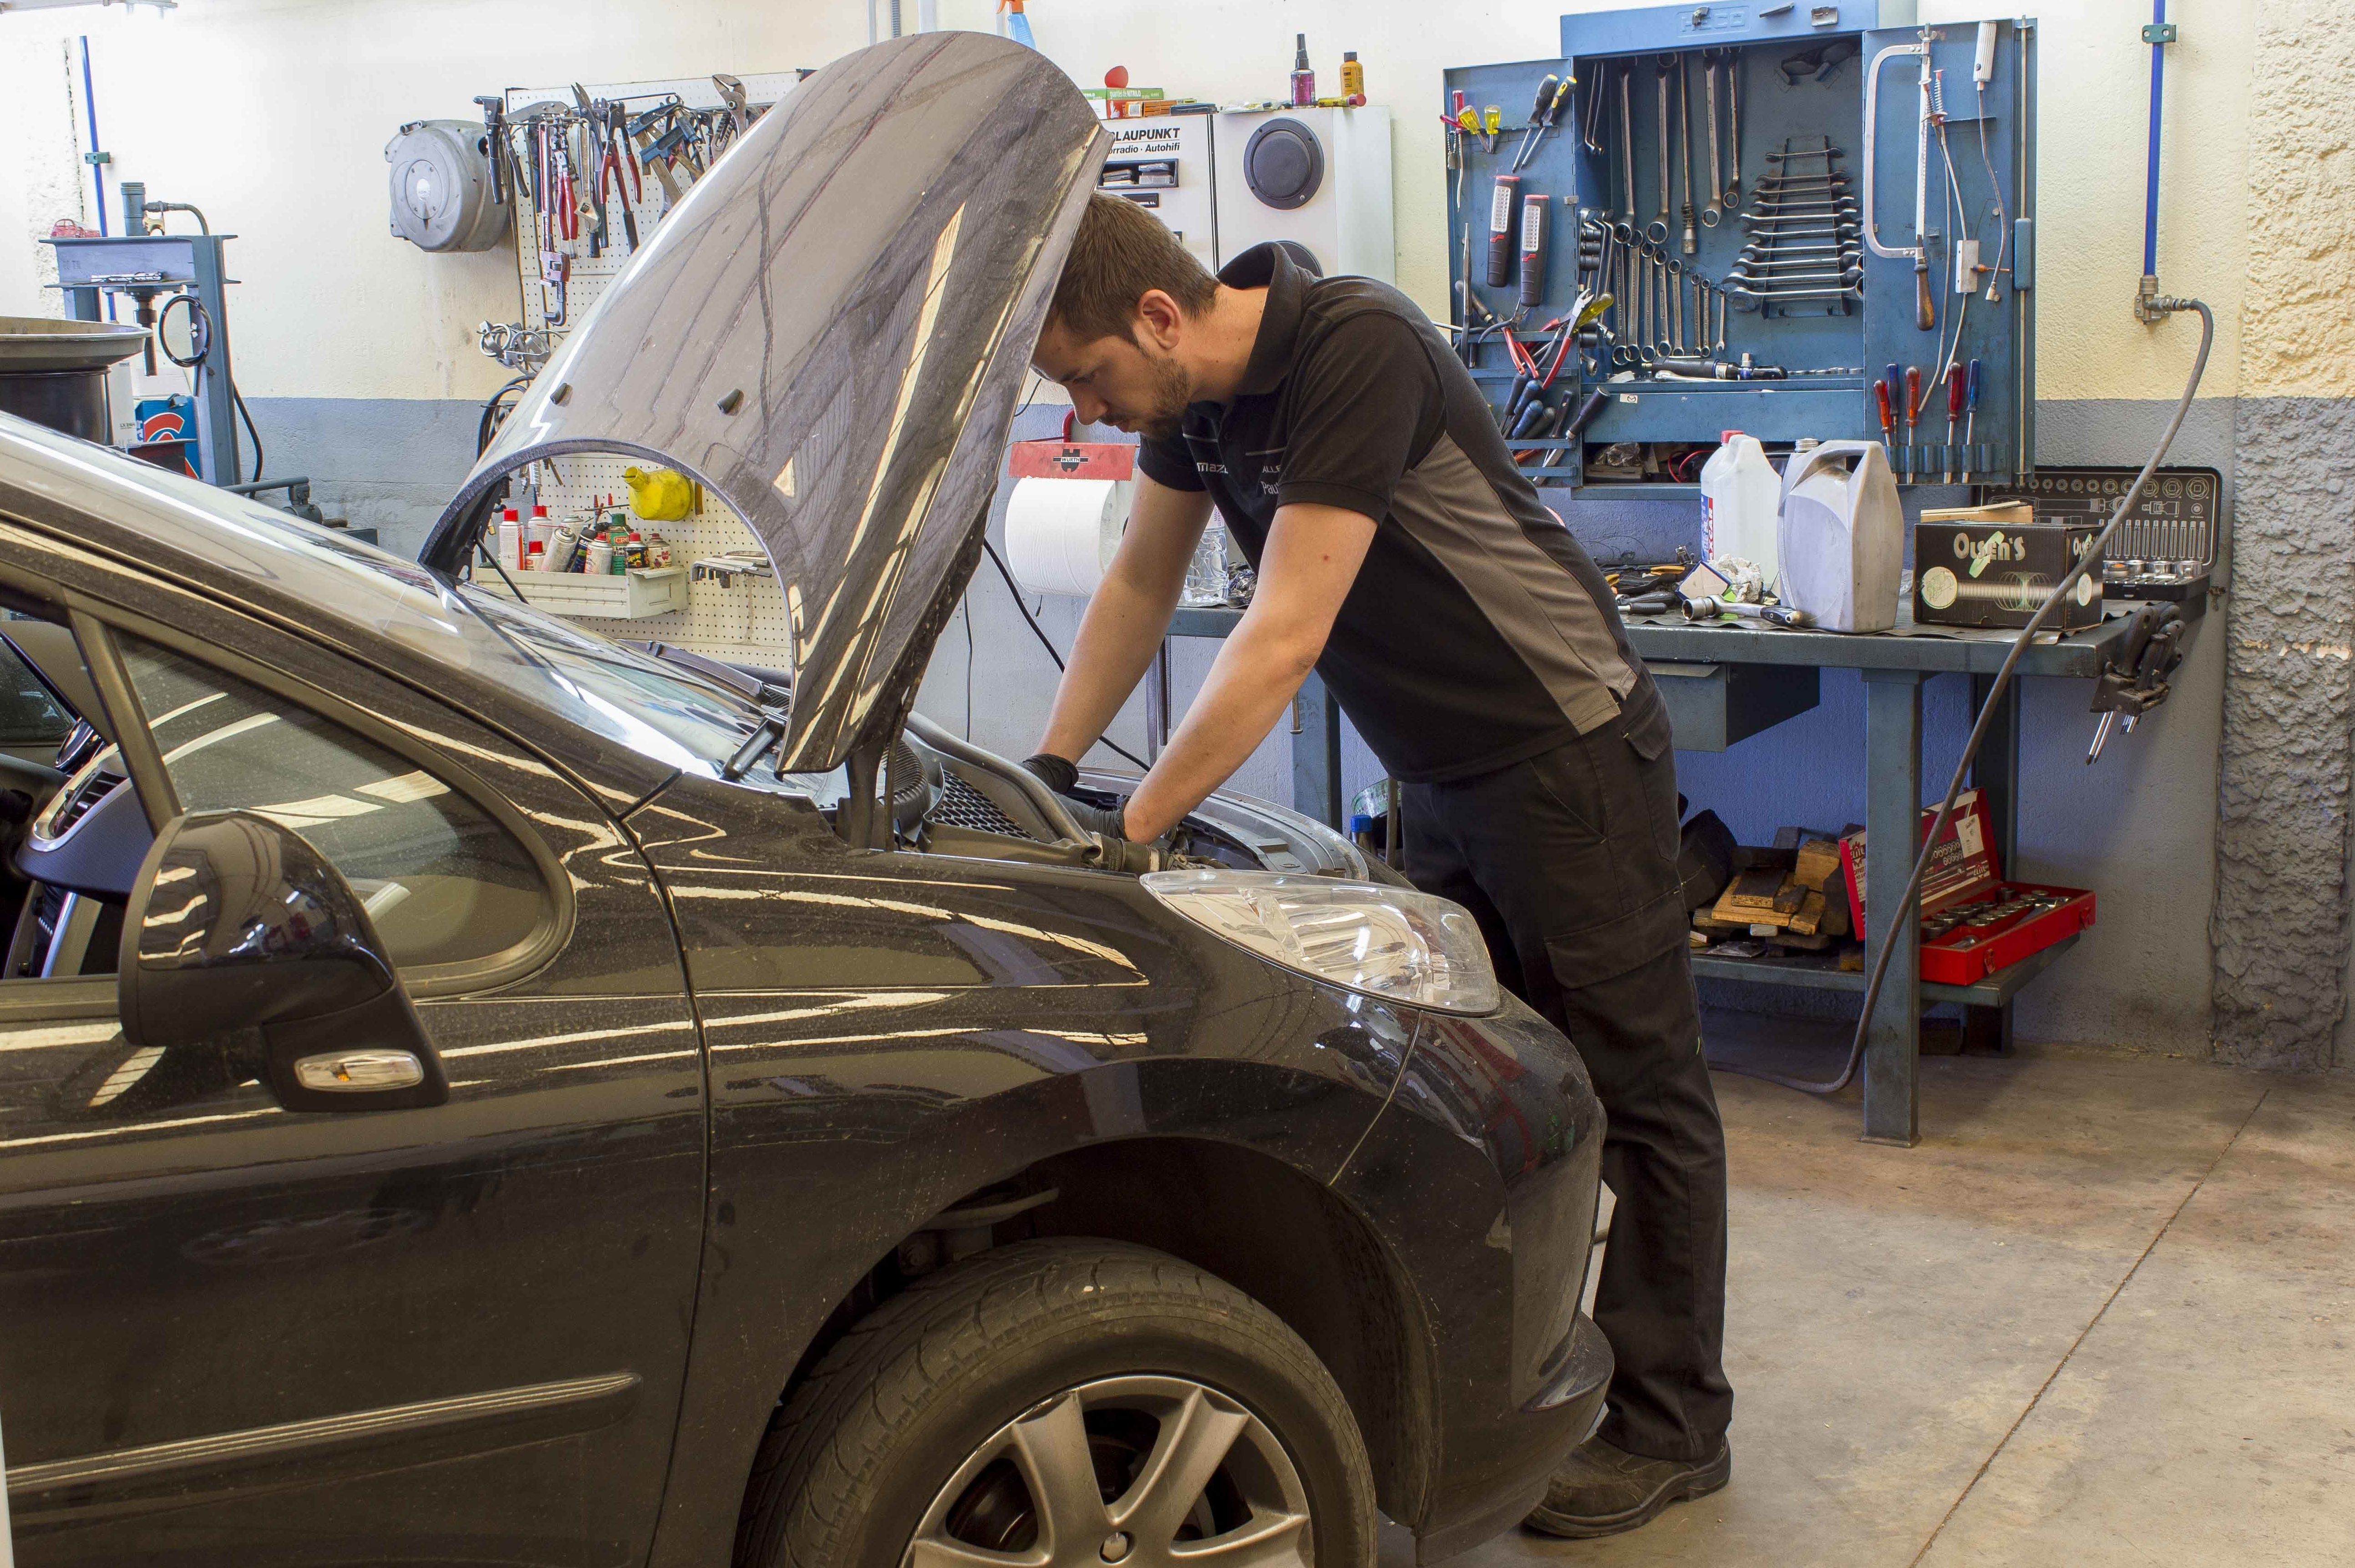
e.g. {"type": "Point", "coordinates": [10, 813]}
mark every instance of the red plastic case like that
{"type": "Point", "coordinates": [1973, 922]}
{"type": "Point", "coordinates": [1063, 458]}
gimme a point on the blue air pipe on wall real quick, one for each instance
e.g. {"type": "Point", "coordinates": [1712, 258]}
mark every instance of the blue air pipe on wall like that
{"type": "Point", "coordinates": [2158, 34]}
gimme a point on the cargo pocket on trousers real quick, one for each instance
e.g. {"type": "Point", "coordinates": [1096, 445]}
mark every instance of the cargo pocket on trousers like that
{"type": "Point", "coordinates": [1652, 738]}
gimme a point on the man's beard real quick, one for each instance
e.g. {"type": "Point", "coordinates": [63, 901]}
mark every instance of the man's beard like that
{"type": "Point", "coordinates": [1172, 392]}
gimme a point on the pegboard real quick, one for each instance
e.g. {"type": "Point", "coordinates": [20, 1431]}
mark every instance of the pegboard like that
{"type": "Point", "coordinates": [749, 618]}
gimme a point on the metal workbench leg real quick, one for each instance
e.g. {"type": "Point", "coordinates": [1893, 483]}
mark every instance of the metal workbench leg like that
{"type": "Point", "coordinates": [1316, 752]}
{"type": "Point", "coordinates": [1987, 1031]}
{"type": "Point", "coordinates": [1893, 824]}
{"type": "Point", "coordinates": [1157, 720]}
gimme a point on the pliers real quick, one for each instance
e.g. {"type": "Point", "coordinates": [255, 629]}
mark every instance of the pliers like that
{"type": "Point", "coordinates": [566, 209]}
{"type": "Point", "coordinates": [619, 158]}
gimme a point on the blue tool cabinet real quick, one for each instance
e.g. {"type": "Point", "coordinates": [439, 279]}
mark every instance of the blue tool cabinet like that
{"type": "Point", "coordinates": [1801, 76]}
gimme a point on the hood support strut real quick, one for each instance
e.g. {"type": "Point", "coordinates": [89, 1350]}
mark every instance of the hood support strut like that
{"type": "Point", "coordinates": [856, 823]}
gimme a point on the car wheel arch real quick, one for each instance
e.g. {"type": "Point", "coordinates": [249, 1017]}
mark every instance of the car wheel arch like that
{"type": "Point", "coordinates": [1308, 1256]}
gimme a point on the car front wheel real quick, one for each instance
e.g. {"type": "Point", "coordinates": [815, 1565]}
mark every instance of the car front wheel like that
{"type": "Point", "coordinates": [1064, 1405]}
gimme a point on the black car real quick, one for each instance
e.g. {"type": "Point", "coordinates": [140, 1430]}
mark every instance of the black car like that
{"type": "Point", "coordinates": [474, 1092]}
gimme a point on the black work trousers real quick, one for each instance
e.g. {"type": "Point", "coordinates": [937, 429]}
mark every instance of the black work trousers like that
{"type": "Point", "coordinates": [1569, 862]}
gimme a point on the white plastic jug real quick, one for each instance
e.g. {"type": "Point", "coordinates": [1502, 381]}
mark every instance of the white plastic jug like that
{"type": "Point", "coordinates": [1842, 539]}
{"type": "Point", "coordinates": [1740, 498]}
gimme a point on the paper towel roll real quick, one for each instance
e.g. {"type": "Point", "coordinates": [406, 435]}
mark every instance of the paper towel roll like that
{"type": "Point", "coordinates": [1060, 533]}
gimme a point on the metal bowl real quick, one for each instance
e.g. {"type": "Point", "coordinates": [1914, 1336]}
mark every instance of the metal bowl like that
{"type": "Point", "coordinates": [32, 344]}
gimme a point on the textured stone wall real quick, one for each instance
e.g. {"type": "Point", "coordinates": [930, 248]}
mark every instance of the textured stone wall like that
{"type": "Point", "coordinates": [2281, 919]}
{"type": "Point", "coordinates": [2280, 926]}
{"type": "Point", "coordinates": [2298, 330]}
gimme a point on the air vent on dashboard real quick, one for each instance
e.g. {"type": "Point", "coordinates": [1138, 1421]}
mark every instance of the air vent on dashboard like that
{"type": "Point", "coordinates": [78, 802]}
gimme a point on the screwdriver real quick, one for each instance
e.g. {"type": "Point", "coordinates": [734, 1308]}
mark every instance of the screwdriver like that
{"type": "Point", "coordinates": [1537, 119]}
{"type": "Point", "coordinates": [1892, 388]}
{"type": "Point", "coordinates": [1888, 427]}
{"type": "Point", "coordinates": [1956, 376]}
{"type": "Point", "coordinates": [1912, 412]}
{"type": "Point", "coordinates": [1492, 122]}
{"type": "Point", "coordinates": [1970, 405]}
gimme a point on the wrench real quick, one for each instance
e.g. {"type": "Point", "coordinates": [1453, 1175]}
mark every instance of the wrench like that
{"type": "Point", "coordinates": [1683, 115]}
{"type": "Point", "coordinates": [1776, 185]}
{"type": "Point", "coordinates": [1745, 277]}
{"type": "Point", "coordinates": [1713, 211]}
{"type": "Point", "coordinates": [1627, 139]}
{"type": "Point", "coordinates": [1732, 198]}
{"type": "Point", "coordinates": [1658, 229]}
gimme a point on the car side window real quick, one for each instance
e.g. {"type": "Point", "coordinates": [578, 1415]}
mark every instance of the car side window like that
{"type": "Point", "coordinates": [443, 881]}
{"type": "Point", "coordinates": [29, 716]}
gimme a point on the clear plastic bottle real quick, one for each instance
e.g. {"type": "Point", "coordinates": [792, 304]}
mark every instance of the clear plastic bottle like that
{"type": "Point", "coordinates": [1740, 505]}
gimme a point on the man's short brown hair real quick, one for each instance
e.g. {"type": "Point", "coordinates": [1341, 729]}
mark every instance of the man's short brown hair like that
{"type": "Point", "coordinates": [1121, 252]}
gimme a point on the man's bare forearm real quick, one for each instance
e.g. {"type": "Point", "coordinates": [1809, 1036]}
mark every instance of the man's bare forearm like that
{"type": "Point", "coordinates": [1127, 615]}
{"type": "Point", "coordinates": [1123, 626]}
{"type": "Point", "coordinates": [1311, 556]}
{"type": "Point", "coordinates": [1258, 672]}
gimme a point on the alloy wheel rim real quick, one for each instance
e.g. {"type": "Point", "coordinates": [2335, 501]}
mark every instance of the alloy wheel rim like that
{"type": "Point", "coordinates": [1143, 1472]}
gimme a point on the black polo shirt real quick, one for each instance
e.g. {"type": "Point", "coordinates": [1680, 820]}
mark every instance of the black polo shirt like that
{"type": "Point", "coordinates": [1477, 632]}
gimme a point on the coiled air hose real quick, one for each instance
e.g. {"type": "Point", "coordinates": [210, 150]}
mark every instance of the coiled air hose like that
{"type": "Point", "coordinates": [1986, 713]}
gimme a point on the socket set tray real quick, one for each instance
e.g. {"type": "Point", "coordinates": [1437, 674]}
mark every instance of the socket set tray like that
{"type": "Point", "coordinates": [2165, 549]}
{"type": "Point", "coordinates": [1973, 922]}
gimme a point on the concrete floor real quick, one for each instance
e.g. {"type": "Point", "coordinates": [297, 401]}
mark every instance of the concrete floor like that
{"type": "Point", "coordinates": [2103, 1314]}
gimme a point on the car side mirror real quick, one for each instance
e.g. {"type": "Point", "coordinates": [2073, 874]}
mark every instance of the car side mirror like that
{"type": "Point", "coordinates": [240, 939]}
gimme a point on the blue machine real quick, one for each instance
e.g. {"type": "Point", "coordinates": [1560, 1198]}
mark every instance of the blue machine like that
{"type": "Point", "coordinates": [1858, 150]}
{"type": "Point", "coordinates": [146, 270]}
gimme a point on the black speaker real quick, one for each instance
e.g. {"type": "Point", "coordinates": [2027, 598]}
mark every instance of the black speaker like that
{"type": "Point", "coordinates": [1284, 164]}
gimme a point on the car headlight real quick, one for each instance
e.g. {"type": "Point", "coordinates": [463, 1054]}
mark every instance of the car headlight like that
{"type": "Point", "coordinates": [1390, 942]}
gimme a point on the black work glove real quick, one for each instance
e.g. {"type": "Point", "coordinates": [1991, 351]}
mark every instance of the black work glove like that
{"type": "Point", "coordinates": [1107, 825]}
{"type": "Point", "coordinates": [1062, 775]}
{"type": "Point", "coordinates": [1059, 774]}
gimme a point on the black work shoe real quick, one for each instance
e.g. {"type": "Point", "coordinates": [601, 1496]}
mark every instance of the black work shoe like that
{"type": "Point", "coordinates": [1602, 1490]}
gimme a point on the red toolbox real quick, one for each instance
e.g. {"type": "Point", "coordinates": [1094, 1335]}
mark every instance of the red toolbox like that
{"type": "Point", "coordinates": [1973, 922]}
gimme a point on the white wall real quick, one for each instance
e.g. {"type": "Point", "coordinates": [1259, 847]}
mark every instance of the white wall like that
{"type": "Point", "coordinates": [272, 115]}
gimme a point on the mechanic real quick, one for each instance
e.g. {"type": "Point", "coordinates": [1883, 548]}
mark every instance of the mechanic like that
{"type": "Point", "coordinates": [1404, 558]}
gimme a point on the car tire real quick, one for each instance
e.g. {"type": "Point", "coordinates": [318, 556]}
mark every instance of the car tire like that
{"type": "Point", "coordinates": [939, 1414]}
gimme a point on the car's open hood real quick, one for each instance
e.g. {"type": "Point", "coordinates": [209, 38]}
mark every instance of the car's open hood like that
{"type": "Point", "coordinates": [829, 332]}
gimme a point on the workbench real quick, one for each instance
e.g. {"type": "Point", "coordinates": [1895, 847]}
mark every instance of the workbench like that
{"type": "Point", "coordinates": [1725, 680]}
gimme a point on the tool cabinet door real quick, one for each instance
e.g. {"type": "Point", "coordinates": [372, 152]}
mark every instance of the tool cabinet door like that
{"type": "Point", "coordinates": [1927, 179]}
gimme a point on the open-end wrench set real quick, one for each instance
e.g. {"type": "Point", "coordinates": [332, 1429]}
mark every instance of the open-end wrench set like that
{"type": "Point", "coordinates": [1739, 180]}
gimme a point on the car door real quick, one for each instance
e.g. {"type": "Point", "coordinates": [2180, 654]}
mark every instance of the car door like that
{"type": "Point", "coordinates": [230, 1332]}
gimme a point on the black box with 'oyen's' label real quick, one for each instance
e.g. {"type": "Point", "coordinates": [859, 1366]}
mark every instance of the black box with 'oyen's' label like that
{"type": "Point", "coordinates": [1996, 574]}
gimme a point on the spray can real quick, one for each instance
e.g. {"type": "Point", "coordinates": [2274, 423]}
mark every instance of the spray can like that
{"type": "Point", "coordinates": [1304, 80]}
{"type": "Point", "coordinates": [1353, 75]}
{"type": "Point", "coordinates": [510, 555]}
{"type": "Point", "coordinates": [600, 558]}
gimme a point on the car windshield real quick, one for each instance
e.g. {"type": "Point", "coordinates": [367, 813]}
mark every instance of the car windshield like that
{"type": "Point", "coordinates": [658, 709]}
{"type": "Point", "coordinates": [665, 711]}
